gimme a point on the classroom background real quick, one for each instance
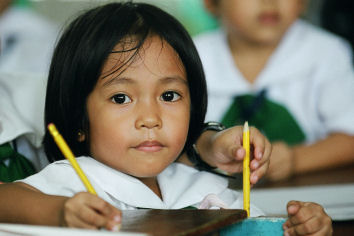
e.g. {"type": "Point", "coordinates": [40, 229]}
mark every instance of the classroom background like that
{"type": "Point", "coordinates": [190, 12]}
{"type": "Point", "coordinates": [335, 16]}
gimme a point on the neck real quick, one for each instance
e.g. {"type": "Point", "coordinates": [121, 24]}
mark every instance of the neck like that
{"type": "Point", "coordinates": [250, 57]}
{"type": "Point", "coordinates": [243, 47]}
{"type": "Point", "coordinates": [152, 183]}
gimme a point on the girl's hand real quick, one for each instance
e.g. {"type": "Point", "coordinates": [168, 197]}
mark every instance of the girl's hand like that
{"type": "Point", "coordinates": [226, 152]}
{"type": "Point", "coordinates": [307, 218]}
{"type": "Point", "coordinates": [85, 210]}
{"type": "Point", "coordinates": [282, 162]}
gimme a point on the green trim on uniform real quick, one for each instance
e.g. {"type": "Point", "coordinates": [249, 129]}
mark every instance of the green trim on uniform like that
{"type": "Point", "coordinates": [272, 119]}
{"type": "Point", "coordinates": [13, 166]}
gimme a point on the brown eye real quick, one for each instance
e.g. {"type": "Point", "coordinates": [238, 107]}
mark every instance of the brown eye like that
{"type": "Point", "coordinates": [120, 98]}
{"type": "Point", "coordinates": [170, 96]}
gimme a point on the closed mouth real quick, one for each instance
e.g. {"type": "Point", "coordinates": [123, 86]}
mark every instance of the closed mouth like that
{"type": "Point", "coordinates": [149, 146]}
{"type": "Point", "coordinates": [269, 18]}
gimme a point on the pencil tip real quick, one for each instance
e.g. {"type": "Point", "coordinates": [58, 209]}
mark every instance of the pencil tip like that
{"type": "Point", "coordinates": [245, 126]}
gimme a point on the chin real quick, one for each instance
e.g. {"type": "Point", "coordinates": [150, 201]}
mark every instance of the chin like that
{"type": "Point", "coordinates": [146, 172]}
{"type": "Point", "coordinates": [149, 173]}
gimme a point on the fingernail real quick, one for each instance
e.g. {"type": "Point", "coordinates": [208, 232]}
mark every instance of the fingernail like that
{"type": "Point", "coordinates": [116, 227]}
{"type": "Point", "coordinates": [254, 179]}
{"type": "Point", "coordinates": [255, 165]}
{"type": "Point", "coordinates": [286, 233]}
{"type": "Point", "coordinates": [117, 218]}
{"type": "Point", "coordinates": [260, 155]}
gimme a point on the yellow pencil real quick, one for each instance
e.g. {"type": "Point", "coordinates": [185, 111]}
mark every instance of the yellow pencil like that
{"type": "Point", "coordinates": [246, 169]}
{"type": "Point", "coordinates": [64, 148]}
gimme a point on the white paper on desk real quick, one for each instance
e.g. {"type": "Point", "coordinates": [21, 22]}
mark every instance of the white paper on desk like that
{"type": "Point", "coordinates": [33, 230]}
{"type": "Point", "coordinates": [338, 200]}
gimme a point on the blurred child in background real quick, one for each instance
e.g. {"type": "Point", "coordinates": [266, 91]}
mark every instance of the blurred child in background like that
{"type": "Point", "coordinates": [290, 79]}
{"type": "Point", "coordinates": [26, 44]}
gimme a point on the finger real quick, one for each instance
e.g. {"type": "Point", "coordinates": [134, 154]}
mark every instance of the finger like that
{"type": "Point", "coordinates": [314, 226]}
{"type": "Point", "coordinates": [303, 213]}
{"type": "Point", "coordinates": [105, 208]}
{"type": "Point", "coordinates": [239, 153]}
{"type": "Point", "coordinates": [258, 174]}
{"type": "Point", "coordinates": [286, 225]}
{"type": "Point", "coordinates": [264, 156]}
{"type": "Point", "coordinates": [293, 207]}
{"type": "Point", "coordinates": [114, 224]}
{"type": "Point", "coordinates": [74, 221]}
{"type": "Point", "coordinates": [111, 216]}
{"type": "Point", "coordinates": [254, 178]}
{"type": "Point", "coordinates": [232, 167]}
{"type": "Point", "coordinates": [257, 140]}
{"type": "Point", "coordinates": [78, 223]}
{"type": "Point", "coordinates": [99, 205]}
{"type": "Point", "coordinates": [260, 168]}
{"type": "Point", "coordinates": [90, 216]}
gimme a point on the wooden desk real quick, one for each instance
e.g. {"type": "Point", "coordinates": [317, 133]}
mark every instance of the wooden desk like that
{"type": "Point", "coordinates": [335, 176]}
{"type": "Point", "coordinates": [179, 222]}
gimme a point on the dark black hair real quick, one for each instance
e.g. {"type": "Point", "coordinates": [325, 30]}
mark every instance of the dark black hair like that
{"type": "Point", "coordinates": [81, 52]}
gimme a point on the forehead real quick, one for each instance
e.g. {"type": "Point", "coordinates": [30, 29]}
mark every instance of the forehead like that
{"type": "Point", "coordinates": [155, 54]}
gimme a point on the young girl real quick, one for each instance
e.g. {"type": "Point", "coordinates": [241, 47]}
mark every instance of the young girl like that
{"type": "Point", "coordinates": [126, 89]}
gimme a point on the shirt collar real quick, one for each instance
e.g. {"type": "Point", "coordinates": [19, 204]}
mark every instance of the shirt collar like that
{"type": "Point", "coordinates": [180, 185]}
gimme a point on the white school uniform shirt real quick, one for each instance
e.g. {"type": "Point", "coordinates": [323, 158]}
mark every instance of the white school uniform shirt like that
{"type": "Point", "coordinates": [181, 186]}
{"type": "Point", "coordinates": [22, 97]}
{"type": "Point", "coordinates": [310, 74]}
{"type": "Point", "coordinates": [27, 41]}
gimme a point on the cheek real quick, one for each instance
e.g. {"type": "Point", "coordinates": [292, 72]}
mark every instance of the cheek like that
{"type": "Point", "coordinates": [107, 136]}
{"type": "Point", "coordinates": [235, 17]}
{"type": "Point", "coordinates": [290, 10]}
{"type": "Point", "coordinates": [178, 127]}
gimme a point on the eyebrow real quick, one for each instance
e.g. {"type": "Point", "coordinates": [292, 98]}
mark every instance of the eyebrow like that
{"type": "Point", "coordinates": [174, 79]}
{"type": "Point", "coordinates": [126, 80]}
{"type": "Point", "coordinates": [118, 80]}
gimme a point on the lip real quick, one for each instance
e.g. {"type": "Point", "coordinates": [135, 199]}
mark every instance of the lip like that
{"type": "Point", "coordinates": [149, 146]}
{"type": "Point", "coordinates": [269, 18]}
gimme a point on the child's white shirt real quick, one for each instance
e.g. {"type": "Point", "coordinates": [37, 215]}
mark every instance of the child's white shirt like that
{"type": "Point", "coordinates": [181, 186]}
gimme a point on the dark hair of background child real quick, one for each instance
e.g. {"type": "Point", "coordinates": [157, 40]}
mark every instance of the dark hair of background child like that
{"type": "Point", "coordinates": [80, 56]}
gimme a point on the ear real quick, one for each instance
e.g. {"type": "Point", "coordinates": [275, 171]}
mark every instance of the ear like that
{"type": "Point", "coordinates": [212, 7]}
{"type": "Point", "coordinates": [81, 136]}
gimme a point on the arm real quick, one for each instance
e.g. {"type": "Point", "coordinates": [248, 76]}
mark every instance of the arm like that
{"type": "Point", "coordinates": [334, 151]}
{"type": "Point", "coordinates": [21, 203]}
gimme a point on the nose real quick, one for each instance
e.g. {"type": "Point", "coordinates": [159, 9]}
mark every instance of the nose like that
{"type": "Point", "coordinates": [149, 116]}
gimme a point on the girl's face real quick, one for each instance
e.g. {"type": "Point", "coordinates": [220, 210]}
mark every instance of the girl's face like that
{"type": "Point", "coordinates": [258, 21]}
{"type": "Point", "coordinates": [139, 118]}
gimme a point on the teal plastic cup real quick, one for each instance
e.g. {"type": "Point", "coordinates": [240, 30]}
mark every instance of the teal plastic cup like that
{"type": "Point", "coordinates": [258, 226]}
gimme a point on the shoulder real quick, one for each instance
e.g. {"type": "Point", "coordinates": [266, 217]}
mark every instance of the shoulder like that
{"type": "Point", "coordinates": [58, 178]}
{"type": "Point", "coordinates": [314, 38]}
{"type": "Point", "coordinates": [306, 47]}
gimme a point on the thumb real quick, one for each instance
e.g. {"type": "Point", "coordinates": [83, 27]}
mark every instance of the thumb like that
{"type": "Point", "coordinates": [238, 153]}
{"type": "Point", "coordinates": [293, 207]}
